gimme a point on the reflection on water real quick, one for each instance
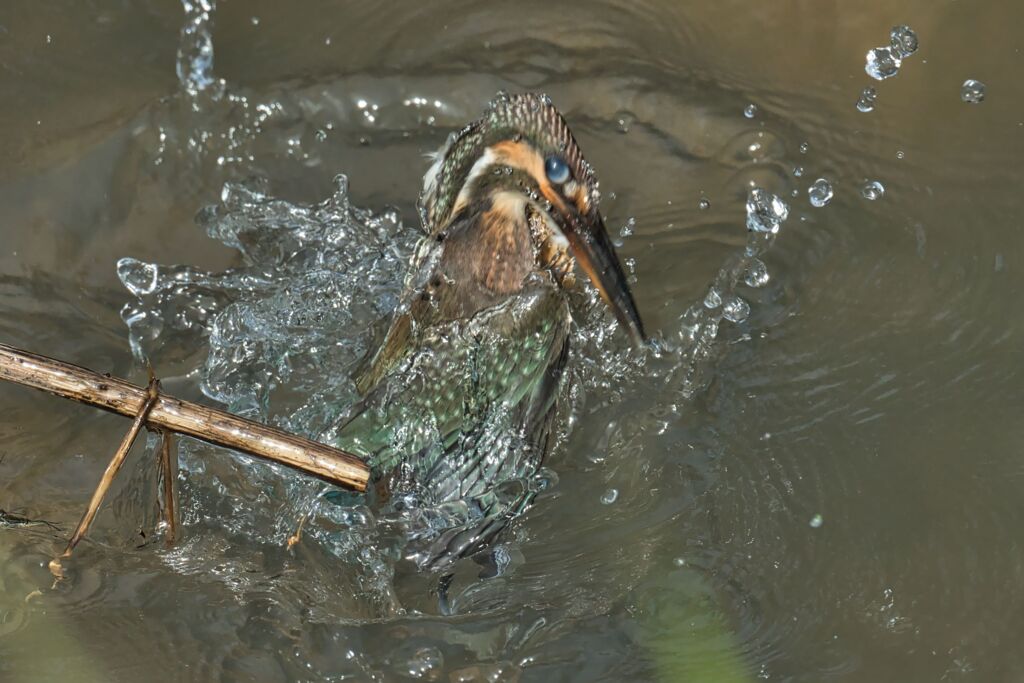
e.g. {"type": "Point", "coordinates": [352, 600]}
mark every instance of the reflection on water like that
{"type": "Point", "coordinates": [811, 475]}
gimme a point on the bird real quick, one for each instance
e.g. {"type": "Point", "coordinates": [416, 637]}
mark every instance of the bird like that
{"type": "Point", "coordinates": [457, 402]}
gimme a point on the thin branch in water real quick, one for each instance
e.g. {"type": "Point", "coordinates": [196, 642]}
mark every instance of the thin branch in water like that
{"type": "Point", "coordinates": [152, 394]}
{"type": "Point", "coordinates": [168, 459]}
{"type": "Point", "coordinates": [294, 539]}
{"type": "Point", "coordinates": [9, 519]}
{"type": "Point", "coordinates": [168, 415]}
{"type": "Point", "coordinates": [184, 417]}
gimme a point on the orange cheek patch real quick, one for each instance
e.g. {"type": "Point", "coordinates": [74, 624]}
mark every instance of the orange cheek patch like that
{"type": "Point", "coordinates": [519, 155]}
{"type": "Point", "coordinates": [522, 156]}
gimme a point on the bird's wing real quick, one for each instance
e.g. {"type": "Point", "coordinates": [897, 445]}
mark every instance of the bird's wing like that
{"type": "Point", "coordinates": [467, 404]}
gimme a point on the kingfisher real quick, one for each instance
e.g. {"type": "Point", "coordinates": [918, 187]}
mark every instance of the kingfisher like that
{"type": "Point", "coordinates": [457, 402]}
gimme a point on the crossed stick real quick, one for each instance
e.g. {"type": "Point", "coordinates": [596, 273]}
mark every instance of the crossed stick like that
{"type": "Point", "coordinates": [168, 416]}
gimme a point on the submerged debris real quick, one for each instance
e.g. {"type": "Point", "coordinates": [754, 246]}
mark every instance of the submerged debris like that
{"type": "Point", "coordinates": [9, 519]}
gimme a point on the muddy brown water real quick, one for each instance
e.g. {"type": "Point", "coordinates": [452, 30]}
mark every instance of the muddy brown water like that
{"type": "Point", "coordinates": [839, 499]}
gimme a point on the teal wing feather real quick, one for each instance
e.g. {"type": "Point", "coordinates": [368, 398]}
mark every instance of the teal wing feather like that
{"type": "Point", "coordinates": [467, 402]}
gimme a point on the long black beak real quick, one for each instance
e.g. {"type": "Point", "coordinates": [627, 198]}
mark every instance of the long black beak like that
{"type": "Point", "coordinates": [592, 248]}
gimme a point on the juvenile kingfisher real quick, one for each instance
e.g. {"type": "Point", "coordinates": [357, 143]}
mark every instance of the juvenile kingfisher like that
{"type": "Point", "coordinates": [458, 400]}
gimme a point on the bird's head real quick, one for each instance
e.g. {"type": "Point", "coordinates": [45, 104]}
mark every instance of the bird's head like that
{"type": "Point", "coordinates": [520, 160]}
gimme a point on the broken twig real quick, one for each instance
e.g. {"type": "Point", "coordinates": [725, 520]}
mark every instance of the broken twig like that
{"type": "Point", "coordinates": [168, 471]}
{"type": "Point", "coordinates": [184, 417]}
{"type": "Point", "coordinates": [152, 394]}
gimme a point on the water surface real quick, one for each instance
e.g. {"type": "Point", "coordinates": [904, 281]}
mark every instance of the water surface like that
{"type": "Point", "coordinates": [828, 489]}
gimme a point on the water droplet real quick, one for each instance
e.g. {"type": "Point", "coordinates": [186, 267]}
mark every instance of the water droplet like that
{"type": "Point", "coordinates": [872, 189]}
{"type": "Point", "coordinates": [713, 299]}
{"type": "Point", "coordinates": [140, 278]}
{"type": "Point", "coordinates": [866, 103]}
{"type": "Point", "coordinates": [820, 192]}
{"type": "Point", "coordinates": [816, 521]}
{"type": "Point", "coordinates": [736, 310]}
{"type": "Point", "coordinates": [765, 211]}
{"type": "Point", "coordinates": [972, 91]}
{"type": "Point", "coordinates": [804, 147]}
{"type": "Point", "coordinates": [757, 274]}
{"type": "Point", "coordinates": [903, 40]}
{"type": "Point", "coordinates": [629, 228]}
{"type": "Point", "coordinates": [609, 496]}
{"type": "Point", "coordinates": [750, 111]}
{"type": "Point", "coordinates": [882, 63]}
{"type": "Point", "coordinates": [704, 204]}
{"type": "Point", "coordinates": [798, 171]}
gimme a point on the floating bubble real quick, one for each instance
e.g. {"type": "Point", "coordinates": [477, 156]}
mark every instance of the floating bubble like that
{"type": "Point", "coordinates": [609, 496]}
{"type": "Point", "coordinates": [872, 189]}
{"type": "Point", "coordinates": [866, 103]}
{"type": "Point", "coordinates": [625, 121]}
{"type": "Point", "coordinates": [899, 154]}
{"type": "Point", "coordinates": [736, 310]}
{"type": "Point", "coordinates": [750, 111]}
{"type": "Point", "coordinates": [804, 147]}
{"type": "Point", "coordinates": [816, 521]}
{"type": "Point", "coordinates": [798, 171]}
{"type": "Point", "coordinates": [903, 40]}
{"type": "Point", "coordinates": [704, 204]}
{"type": "Point", "coordinates": [820, 192]}
{"type": "Point", "coordinates": [972, 91]}
{"type": "Point", "coordinates": [765, 211]}
{"type": "Point", "coordinates": [757, 274]}
{"type": "Point", "coordinates": [882, 63]}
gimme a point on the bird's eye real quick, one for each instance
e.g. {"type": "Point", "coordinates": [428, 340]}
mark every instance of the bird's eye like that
{"type": "Point", "coordinates": [556, 169]}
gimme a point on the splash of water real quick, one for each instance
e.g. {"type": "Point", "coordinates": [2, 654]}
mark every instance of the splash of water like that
{"type": "Point", "coordinates": [195, 47]}
{"type": "Point", "coordinates": [278, 337]}
{"type": "Point", "coordinates": [314, 280]}
{"type": "Point", "coordinates": [700, 325]}
{"type": "Point", "coordinates": [885, 62]}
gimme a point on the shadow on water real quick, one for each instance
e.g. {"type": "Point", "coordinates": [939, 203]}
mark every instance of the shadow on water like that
{"type": "Point", "coordinates": [810, 475]}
